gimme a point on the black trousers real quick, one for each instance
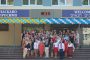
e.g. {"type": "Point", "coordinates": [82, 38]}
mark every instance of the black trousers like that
{"type": "Point", "coordinates": [61, 52]}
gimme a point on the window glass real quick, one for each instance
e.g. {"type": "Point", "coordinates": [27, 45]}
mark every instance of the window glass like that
{"type": "Point", "coordinates": [54, 2]}
{"type": "Point", "coordinates": [69, 2]}
{"type": "Point", "coordinates": [39, 2]}
{"type": "Point", "coordinates": [10, 2]}
{"type": "Point", "coordinates": [25, 2]}
{"type": "Point", "coordinates": [62, 2]}
{"type": "Point", "coordinates": [89, 2]}
{"type": "Point", "coordinates": [32, 2]}
{"type": "Point", "coordinates": [3, 2]}
{"type": "Point", "coordinates": [85, 2]}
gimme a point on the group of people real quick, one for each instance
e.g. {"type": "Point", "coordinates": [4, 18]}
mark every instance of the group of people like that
{"type": "Point", "coordinates": [49, 43]}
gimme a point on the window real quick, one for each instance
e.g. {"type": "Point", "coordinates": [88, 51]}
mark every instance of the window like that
{"type": "Point", "coordinates": [54, 2]}
{"type": "Point", "coordinates": [4, 27]}
{"type": "Point", "coordinates": [86, 2]}
{"type": "Point", "coordinates": [62, 2]}
{"type": "Point", "coordinates": [32, 2]}
{"type": "Point", "coordinates": [66, 2]}
{"type": "Point", "coordinates": [69, 2]}
{"type": "Point", "coordinates": [3, 2]}
{"type": "Point", "coordinates": [6, 2]}
{"type": "Point", "coordinates": [25, 2]}
{"type": "Point", "coordinates": [39, 2]}
{"type": "Point", "coordinates": [10, 2]}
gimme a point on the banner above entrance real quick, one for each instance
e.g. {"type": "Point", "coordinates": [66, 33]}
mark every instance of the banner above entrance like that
{"type": "Point", "coordinates": [45, 21]}
{"type": "Point", "coordinates": [76, 13]}
{"type": "Point", "coordinates": [14, 13]}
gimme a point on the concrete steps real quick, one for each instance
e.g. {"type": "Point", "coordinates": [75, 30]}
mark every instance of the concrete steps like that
{"type": "Point", "coordinates": [83, 52]}
{"type": "Point", "coordinates": [10, 52]}
{"type": "Point", "coordinates": [16, 53]}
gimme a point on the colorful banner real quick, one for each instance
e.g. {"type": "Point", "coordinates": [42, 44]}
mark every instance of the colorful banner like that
{"type": "Point", "coordinates": [76, 13]}
{"type": "Point", "coordinates": [14, 13]}
{"type": "Point", "coordinates": [45, 21]}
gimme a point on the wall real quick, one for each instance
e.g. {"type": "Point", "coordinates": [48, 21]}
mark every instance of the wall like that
{"type": "Point", "coordinates": [36, 13]}
{"type": "Point", "coordinates": [7, 37]}
{"type": "Point", "coordinates": [45, 7]}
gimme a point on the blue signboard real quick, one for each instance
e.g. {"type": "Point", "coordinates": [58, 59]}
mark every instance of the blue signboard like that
{"type": "Point", "coordinates": [76, 13]}
{"type": "Point", "coordinates": [14, 13]}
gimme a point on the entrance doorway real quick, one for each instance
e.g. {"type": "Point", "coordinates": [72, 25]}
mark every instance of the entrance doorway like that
{"type": "Point", "coordinates": [86, 34]}
{"type": "Point", "coordinates": [61, 27]}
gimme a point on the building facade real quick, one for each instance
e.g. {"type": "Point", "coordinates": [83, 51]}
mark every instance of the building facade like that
{"type": "Point", "coordinates": [16, 13]}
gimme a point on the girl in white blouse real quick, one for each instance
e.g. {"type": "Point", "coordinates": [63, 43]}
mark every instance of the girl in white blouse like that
{"type": "Point", "coordinates": [71, 49]}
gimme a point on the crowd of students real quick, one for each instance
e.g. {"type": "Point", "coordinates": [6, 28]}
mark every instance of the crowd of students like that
{"type": "Point", "coordinates": [49, 43]}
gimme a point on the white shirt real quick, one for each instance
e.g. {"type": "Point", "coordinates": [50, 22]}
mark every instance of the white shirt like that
{"type": "Point", "coordinates": [56, 44]}
{"type": "Point", "coordinates": [71, 45]}
{"type": "Point", "coordinates": [36, 45]}
{"type": "Point", "coordinates": [61, 46]}
{"type": "Point", "coordinates": [66, 37]}
{"type": "Point", "coordinates": [58, 40]}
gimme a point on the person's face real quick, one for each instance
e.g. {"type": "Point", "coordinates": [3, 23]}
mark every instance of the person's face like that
{"type": "Point", "coordinates": [67, 30]}
{"type": "Point", "coordinates": [64, 31]}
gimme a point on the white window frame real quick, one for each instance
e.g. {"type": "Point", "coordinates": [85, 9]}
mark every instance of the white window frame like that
{"type": "Point", "coordinates": [89, 2]}
{"type": "Point", "coordinates": [67, 4]}
{"type": "Point", "coordinates": [60, 4]}
{"type": "Point", "coordinates": [32, 4]}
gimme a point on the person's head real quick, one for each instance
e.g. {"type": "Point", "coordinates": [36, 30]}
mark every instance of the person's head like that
{"type": "Point", "coordinates": [68, 31]}
{"type": "Point", "coordinates": [63, 31]}
{"type": "Point", "coordinates": [60, 41]}
{"type": "Point", "coordinates": [55, 41]}
{"type": "Point", "coordinates": [69, 42]}
{"type": "Point", "coordinates": [51, 41]}
{"type": "Point", "coordinates": [41, 41]}
{"type": "Point", "coordinates": [36, 40]}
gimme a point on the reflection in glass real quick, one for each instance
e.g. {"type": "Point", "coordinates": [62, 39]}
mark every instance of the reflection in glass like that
{"type": "Point", "coordinates": [10, 2]}
{"type": "Point", "coordinates": [69, 2]}
{"type": "Point", "coordinates": [32, 2]}
{"type": "Point", "coordinates": [54, 2]}
{"type": "Point", "coordinates": [62, 2]}
{"type": "Point", "coordinates": [85, 2]}
{"type": "Point", "coordinates": [3, 2]}
{"type": "Point", "coordinates": [39, 2]}
{"type": "Point", "coordinates": [25, 2]}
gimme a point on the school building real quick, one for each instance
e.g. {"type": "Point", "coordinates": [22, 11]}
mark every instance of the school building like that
{"type": "Point", "coordinates": [19, 15]}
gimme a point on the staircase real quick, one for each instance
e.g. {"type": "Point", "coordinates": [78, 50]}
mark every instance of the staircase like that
{"type": "Point", "coordinates": [16, 53]}
{"type": "Point", "coordinates": [10, 53]}
{"type": "Point", "coordinates": [82, 53]}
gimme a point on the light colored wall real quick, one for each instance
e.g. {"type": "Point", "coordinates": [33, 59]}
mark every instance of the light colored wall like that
{"type": "Point", "coordinates": [45, 7]}
{"type": "Point", "coordinates": [7, 37]}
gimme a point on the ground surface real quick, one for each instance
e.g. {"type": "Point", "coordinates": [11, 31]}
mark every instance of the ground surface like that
{"type": "Point", "coordinates": [47, 59]}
